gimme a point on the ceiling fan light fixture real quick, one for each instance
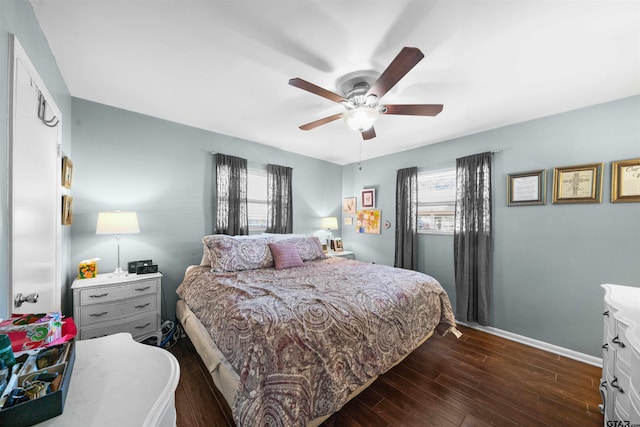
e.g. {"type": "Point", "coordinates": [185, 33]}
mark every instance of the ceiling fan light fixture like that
{"type": "Point", "coordinates": [361, 118]}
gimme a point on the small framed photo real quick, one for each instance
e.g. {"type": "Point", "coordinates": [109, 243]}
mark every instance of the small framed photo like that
{"type": "Point", "coordinates": [349, 205]}
{"type": "Point", "coordinates": [336, 245]}
{"type": "Point", "coordinates": [368, 198]}
{"type": "Point", "coordinates": [67, 172]}
{"type": "Point", "coordinates": [348, 221]}
{"type": "Point", "coordinates": [527, 188]}
{"type": "Point", "coordinates": [578, 184]}
{"type": "Point", "coordinates": [625, 181]}
{"type": "Point", "coordinates": [67, 210]}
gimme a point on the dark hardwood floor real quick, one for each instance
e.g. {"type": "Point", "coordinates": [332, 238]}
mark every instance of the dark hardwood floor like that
{"type": "Point", "coordinates": [477, 380]}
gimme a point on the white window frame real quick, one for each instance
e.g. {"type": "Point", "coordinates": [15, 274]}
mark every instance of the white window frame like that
{"type": "Point", "coordinates": [437, 189]}
{"type": "Point", "coordinates": [257, 195]}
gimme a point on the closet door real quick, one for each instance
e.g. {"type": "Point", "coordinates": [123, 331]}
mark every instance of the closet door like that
{"type": "Point", "coordinates": [35, 191]}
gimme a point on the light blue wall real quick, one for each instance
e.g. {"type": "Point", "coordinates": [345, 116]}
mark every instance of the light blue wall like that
{"type": "Point", "coordinates": [549, 260]}
{"type": "Point", "coordinates": [164, 172]}
{"type": "Point", "coordinates": [17, 17]}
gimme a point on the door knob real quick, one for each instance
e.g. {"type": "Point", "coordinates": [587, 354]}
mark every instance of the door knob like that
{"type": "Point", "coordinates": [32, 298]}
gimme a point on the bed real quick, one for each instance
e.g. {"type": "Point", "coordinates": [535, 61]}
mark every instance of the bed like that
{"type": "Point", "coordinates": [289, 335]}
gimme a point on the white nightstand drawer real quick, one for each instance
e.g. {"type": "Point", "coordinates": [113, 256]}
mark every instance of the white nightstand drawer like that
{"type": "Point", "coordinates": [100, 295]}
{"type": "Point", "coordinates": [140, 326]}
{"type": "Point", "coordinates": [103, 312]}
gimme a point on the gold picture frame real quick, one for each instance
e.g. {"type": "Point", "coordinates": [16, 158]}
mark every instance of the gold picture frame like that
{"type": "Point", "coordinates": [67, 210]}
{"type": "Point", "coordinates": [625, 181]}
{"type": "Point", "coordinates": [527, 188]}
{"type": "Point", "coordinates": [578, 184]}
{"type": "Point", "coordinates": [67, 172]}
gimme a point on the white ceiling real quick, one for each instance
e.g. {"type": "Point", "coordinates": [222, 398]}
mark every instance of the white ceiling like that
{"type": "Point", "coordinates": [223, 65]}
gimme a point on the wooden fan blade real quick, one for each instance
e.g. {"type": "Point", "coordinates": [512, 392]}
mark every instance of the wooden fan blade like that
{"type": "Point", "coordinates": [369, 133]}
{"type": "Point", "coordinates": [317, 90]}
{"type": "Point", "coordinates": [401, 65]}
{"type": "Point", "coordinates": [414, 110]}
{"type": "Point", "coordinates": [321, 122]}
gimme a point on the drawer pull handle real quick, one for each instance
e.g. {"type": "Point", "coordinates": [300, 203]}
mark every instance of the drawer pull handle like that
{"type": "Point", "coordinates": [98, 314]}
{"type": "Point", "coordinates": [606, 313]}
{"type": "Point", "coordinates": [142, 289]}
{"type": "Point", "coordinates": [615, 385]}
{"type": "Point", "coordinates": [99, 296]}
{"type": "Point", "coordinates": [605, 346]}
{"type": "Point", "coordinates": [142, 306]}
{"type": "Point", "coordinates": [143, 326]}
{"type": "Point", "coordinates": [616, 340]}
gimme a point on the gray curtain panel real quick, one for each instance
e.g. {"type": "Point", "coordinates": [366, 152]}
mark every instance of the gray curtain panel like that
{"type": "Point", "coordinates": [473, 254]}
{"type": "Point", "coordinates": [407, 219]}
{"type": "Point", "coordinates": [279, 199]}
{"type": "Point", "coordinates": [231, 195]}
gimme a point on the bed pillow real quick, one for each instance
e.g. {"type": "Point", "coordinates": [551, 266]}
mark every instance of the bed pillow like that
{"type": "Point", "coordinates": [309, 248]}
{"type": "Point", "coordinates": [285, 255]}
{"type": "Point", "coordinates": [228, 253]}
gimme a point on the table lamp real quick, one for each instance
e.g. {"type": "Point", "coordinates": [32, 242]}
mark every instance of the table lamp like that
{"type": "Point", "coordinates": [329, 223]}
{"type": "Point", "coordinates": [117, 223]}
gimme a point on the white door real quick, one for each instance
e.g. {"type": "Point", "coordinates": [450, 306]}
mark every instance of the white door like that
{"type": "Point", "coordinates": [35, 192]}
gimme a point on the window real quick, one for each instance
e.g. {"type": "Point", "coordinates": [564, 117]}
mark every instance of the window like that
{"type": "Point", "coordinates": [257, 200]}
{"type": "Point", "coordinates": [436, 201]}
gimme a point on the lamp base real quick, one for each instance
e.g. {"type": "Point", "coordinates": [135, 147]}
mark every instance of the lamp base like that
{"type": "Point", "coordinates": [119, 272]}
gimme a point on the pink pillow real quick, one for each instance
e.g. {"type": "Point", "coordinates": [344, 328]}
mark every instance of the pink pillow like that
{"type": "Point", "coordinates": [285, 255]}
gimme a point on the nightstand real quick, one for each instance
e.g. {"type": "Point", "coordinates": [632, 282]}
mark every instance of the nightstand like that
{"type": "Point", "coordinates": [110, 303]}
{"type": "Point", "coordinates": [343, 254]}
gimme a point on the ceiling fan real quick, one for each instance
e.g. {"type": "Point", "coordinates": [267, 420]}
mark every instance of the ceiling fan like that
{"type": "Point", "coordinates": [362, 95]}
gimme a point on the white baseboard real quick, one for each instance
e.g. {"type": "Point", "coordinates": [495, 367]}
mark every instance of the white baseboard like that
{"type": "Point", "coordinates": [552, 348]}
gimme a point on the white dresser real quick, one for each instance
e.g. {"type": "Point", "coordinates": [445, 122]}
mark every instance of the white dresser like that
{"type": "Point", "coordinates": [620, 382]}
{"type": "Point", "coordinates": [109, 303]}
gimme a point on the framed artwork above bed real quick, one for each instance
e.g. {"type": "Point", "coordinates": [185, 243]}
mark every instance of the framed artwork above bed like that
{"type": "Point", "coordinates": [368, 198]}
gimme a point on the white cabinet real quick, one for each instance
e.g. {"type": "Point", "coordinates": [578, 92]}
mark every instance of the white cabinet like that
{"type": "Point", "coordinates": [620, 382]}
{"type": "Point", "coordinates": [110, 303]}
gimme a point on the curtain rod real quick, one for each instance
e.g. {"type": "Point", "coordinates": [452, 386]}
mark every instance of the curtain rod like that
{"type": "Point", "coordinates": [448, 161]}
{"type": "Point", "coordinates": [248, 160]}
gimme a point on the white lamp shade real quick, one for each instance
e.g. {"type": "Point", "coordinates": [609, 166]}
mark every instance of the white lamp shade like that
{"type": "Point", "coordinates": [117, 223]}
{"type": "Point", "coordinates": [361, 118]}
{"type": "Point", "coordinates": [329, 223]}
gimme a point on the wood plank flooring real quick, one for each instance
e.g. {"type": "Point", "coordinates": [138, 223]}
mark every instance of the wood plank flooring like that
{"type": "Point", "coordinates": [477, 380]}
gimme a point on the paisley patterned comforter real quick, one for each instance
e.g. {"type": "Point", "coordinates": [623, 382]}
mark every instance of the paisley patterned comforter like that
{"type": "Point", "coordinates": [302, 339]}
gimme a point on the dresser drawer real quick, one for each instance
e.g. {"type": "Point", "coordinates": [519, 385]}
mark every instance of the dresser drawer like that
{"type": "Point", "coordinates": [609, 321]}
{"type": "Point", "coordinates": [100, 295]}
{"type": "Point", "coordinates": [136, 327]}
{"type": "Point", "coordinates": [96, 313]}
{"type": "Point", "coordinates": [623, 346]}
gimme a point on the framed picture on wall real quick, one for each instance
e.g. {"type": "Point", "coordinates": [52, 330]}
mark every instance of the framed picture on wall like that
{"type": "Point", "coordinates": [578, 184]}
{"type": "Point", "coordinates": [67, 210]}
{"type": "Point", "coordinates": [368, 221]}
{"type": "Point", "coordinates": [67, 172]}
{"type": "Point", "coordinates": [348, 220]}
{"type": "Point", "coordinates": [526, 188]}
{"type": "Point", "coordinates": [368, 198]}
{"type": "Point", "coordinates": [625, 181]}
{"type": "Point", "coordinates": [349, 205]}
